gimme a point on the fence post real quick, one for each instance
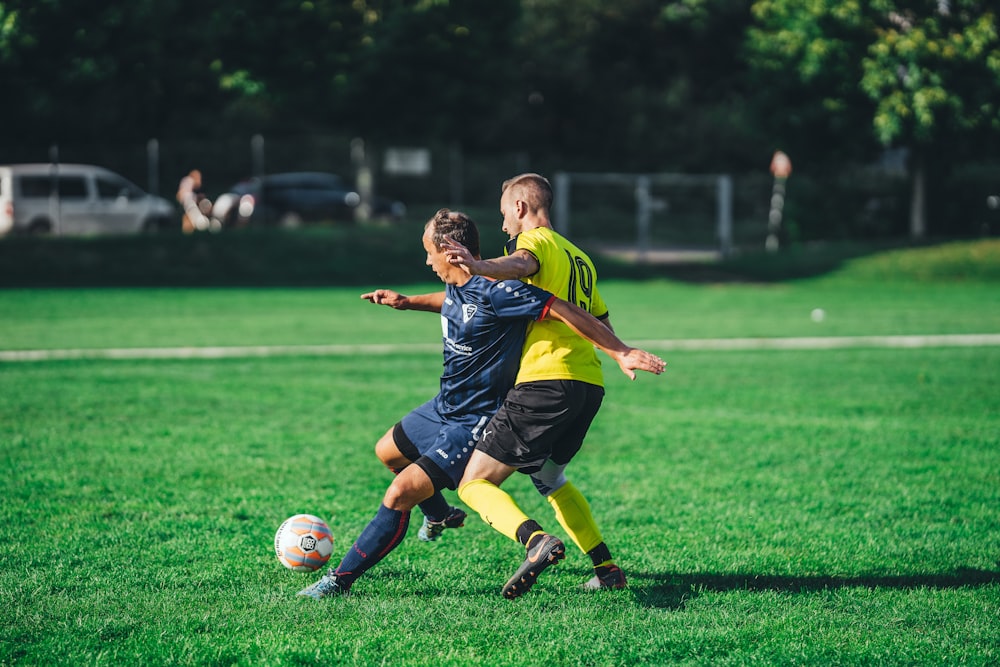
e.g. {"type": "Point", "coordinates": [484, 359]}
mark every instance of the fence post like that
{"type": "Point", "coordinates": [562, 203]}
{"type": "Point", "coordinates": [643, 212]}
{"type": "Point", "coordinates": [55, 204]}
{"type": "Point", "coordinates": [456, 169]}
{"type": "Point", "coordinates": [725, 214]}
{"type": "Point", "coordinates": [153, 166]}
{"type": "Point", "coordinates": [257, 154]}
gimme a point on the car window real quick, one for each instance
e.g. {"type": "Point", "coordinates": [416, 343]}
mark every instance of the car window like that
{"type": "Point", "coordinates": [36, 187]}
{"type": "Point", "coordinates": [72, 187]}
{"type": "Point", "coordinates": [113, 188]}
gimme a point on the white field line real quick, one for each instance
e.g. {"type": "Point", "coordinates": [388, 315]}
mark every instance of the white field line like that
{"type": "Point", "coordinates": [213, 352]}
{"type": "Point", "coordinates": [823, 342]}
{"type": "Point", "coordinates": [709, 344]}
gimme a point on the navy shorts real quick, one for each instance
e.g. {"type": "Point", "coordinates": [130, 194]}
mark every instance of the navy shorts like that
{"type": "Point", "coordinates": [542, 420]}
{"type": "Point", "coordinates": [445, 444]}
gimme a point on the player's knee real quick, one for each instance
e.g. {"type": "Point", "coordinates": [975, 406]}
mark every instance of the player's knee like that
{"type": "Point", "coordinates": [394, 498]}
{"type": "Point", "coordinates": [550, 478]}
{"type": "Point", "coordinates": [407, 491]}
{"type": "Point", "coordinates": [388, 453]}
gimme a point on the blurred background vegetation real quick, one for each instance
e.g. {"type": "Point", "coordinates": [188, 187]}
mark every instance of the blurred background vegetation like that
{"type": "Point", "coordinates": [889, 109]}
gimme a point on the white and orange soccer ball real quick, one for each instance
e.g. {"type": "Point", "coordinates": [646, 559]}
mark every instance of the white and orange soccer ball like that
{"type": "Point", "coordinates": [303, 543]}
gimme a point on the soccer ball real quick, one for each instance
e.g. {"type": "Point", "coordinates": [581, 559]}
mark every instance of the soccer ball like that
{"type": "Point", "coordinates": [303, 543]}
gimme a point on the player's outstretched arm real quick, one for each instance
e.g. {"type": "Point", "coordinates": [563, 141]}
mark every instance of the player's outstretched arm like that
{"type": "Point", "coordinates": [519, 264]}
{"type": "Point", "coordinates": [386, 297]}
{"type": "Point", "coordinates": [630, 359]}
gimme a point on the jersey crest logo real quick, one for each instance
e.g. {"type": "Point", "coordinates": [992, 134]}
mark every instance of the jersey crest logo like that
{"type": "Point", "coordinates": [468, 311]}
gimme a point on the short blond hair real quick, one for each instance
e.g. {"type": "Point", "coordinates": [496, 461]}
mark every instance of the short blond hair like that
{"type": "Point", "coordinates": [533, 189]}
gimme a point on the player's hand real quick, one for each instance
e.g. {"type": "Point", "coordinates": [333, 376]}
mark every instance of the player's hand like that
{"type": "Point", "coordinates": [639, 360]}
{"type": "Point", "coordinates": [458, 254]}
{"type": "Point", "coordinates": [386, 297]}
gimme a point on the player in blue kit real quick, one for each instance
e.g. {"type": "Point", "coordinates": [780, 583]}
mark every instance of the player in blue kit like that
{"type": "Point", "coordinates": [483, 325]}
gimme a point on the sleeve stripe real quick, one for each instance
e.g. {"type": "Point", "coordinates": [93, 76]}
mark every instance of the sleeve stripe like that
{"type": "Point", "coordinates": [546, 308]}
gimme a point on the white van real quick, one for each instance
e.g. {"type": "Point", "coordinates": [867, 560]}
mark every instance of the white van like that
{"type": "Point", "coordinates": [77, 199]}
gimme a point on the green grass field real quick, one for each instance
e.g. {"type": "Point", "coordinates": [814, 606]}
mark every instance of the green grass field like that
{"type": "Point", "coordinates": [770, 507]}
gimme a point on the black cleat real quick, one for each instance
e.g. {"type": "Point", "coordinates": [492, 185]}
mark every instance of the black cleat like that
{"type": "Point", "coordinates": [547, 550]}
{"type": "Point", "coordinates": [431, 530]}
{"type": "Point", "coordinates": [609, 577]}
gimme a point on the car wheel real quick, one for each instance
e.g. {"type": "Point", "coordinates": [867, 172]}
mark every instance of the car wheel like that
{"type": "Point", "coordinates": [39, 227]}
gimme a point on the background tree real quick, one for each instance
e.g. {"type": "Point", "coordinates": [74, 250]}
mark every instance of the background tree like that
{"type": "Point", "coordinates": [929, 70]}
{"type": "Point", "coordinates": [431, 69]}
{"type": "Point", "coordinates": [119, 70]}
{"type": "Point", "coordinates": [651, 85]}
{"type": "Point", "coordinates": [636, 84]}
{"type": "Point", "coordinates": [933, 72]}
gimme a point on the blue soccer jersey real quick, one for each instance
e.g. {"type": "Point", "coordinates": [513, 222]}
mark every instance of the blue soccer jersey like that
{"type": "Point", "coordinates": [483, 324]}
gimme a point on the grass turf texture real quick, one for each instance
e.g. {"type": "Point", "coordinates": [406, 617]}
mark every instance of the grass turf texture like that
{"type": "Point", "coordinates": [825, 507]}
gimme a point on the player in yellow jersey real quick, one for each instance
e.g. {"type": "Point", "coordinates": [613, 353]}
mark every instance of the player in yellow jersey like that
{"type": "Point", "coordinates": [557, 394]}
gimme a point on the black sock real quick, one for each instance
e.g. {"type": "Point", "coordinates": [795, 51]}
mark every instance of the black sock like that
{"type": "Point", "coordinates": [435, 508]}
{"type": "Point", "coordinates": [526, 529]}
{"type": "Point", "coordinates": [600, 554]}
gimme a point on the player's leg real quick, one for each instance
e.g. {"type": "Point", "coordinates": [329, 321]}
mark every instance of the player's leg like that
{"type": "Point", "coordinates": [571, 507]}
{"type": "Point", "coordinates": [517, 438]}
{"type": "Point", "coordinates": [480, 490]}
{"type": "Point", "coordinates": [387, 529]}
{"type": "Point", "coordinates": [382, 534]}
{"type": "Point", "coordinates": [573, 513]}
{"type": "Point", "coordinates": [396, 450]}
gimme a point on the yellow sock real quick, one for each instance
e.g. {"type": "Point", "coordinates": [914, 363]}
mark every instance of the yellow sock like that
{"type": "Point", "coordinates": [495, 506]}
{"type": "Point", "coordinates": [573, 513]}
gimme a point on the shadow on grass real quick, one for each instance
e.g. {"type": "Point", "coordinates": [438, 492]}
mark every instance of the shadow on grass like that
{"type": "Point", "coordinates": [672, 591]}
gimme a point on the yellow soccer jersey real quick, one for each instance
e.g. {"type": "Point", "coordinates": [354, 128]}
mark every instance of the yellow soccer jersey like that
{"type": "Point", "coordinates": [552, 351]}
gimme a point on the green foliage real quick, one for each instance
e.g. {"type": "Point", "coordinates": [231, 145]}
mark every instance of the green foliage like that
{"type": "Point", "coordinates": [8, 29]}
{"type": "Point", "coordinates": [703, 86]}
{"type": "Point", "coordinates": [805, 62]}
{"type": "Point", "coordinates": [930, 69]}
{"type": "Point", "coordinates": [959, 261]}
{"type": "Point", "coordinates": [368, 255]}
{"type": "Point", "coordinates": [955, 261]}
{"type": "Point", "coordinates": [318, 256]}
{"type": "Point", "coordinates": [433, 69]}
{"type": "Point", "coordinates": [171, 68]}
{"type": "Point", "coordinates": [622, 80]}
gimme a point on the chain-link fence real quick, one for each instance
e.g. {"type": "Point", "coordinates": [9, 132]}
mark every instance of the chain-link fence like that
{"type": "Point", "coordinates": [849, 203]}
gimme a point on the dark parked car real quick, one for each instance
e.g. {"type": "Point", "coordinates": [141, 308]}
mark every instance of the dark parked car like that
{"type": "Point", "coordinates": [296, 198]}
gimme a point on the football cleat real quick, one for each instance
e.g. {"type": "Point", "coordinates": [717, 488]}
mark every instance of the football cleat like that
{"type": "Point", "coordinates": [612, 577]}
{"type": "Point", "coordinates": [547, 550]}
{"type": "Point", "coordinates": [431, 530]}
{"type": "Point", "coordinates": [327, 586]}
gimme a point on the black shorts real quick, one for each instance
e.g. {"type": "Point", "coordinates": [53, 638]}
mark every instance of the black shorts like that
{"type": "Point", "coordinates": [541, 420]}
